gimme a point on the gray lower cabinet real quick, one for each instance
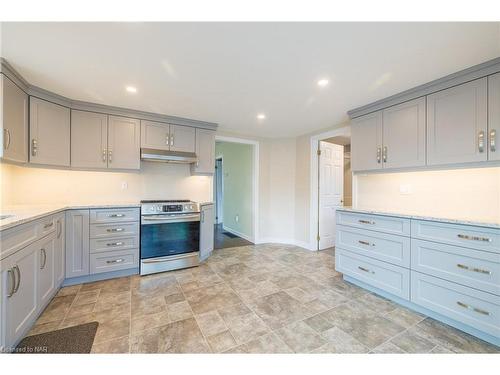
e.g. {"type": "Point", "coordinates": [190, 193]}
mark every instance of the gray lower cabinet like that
{"type": "Point", "coordinates": [49, 133]}
{"type": "Point", "coordinates": [89, 139]}
{"type": "Point", "coordinates": [457, 124]}
{"type": "Point", "coordinates": [46, 283]}
{"type": "Point", "coordinates": [14, 112]}
{"type": "Point", "coordinates": [124, 143]}
{"type": "Point", "coordinates": [60, 249]}
{"type": "Point", "coordinates": [206, 230]}
{"type": "Point", "coordinates": [77, 243]}
{"type": "Point", "coordinates": [366, 142]}
{"type": "Point", "coordinates": [493, 116]}
{"type": "Point", "coordinates": [205, 151]}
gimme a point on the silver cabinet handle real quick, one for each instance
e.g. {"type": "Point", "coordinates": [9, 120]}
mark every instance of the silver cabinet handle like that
{"type": "Point", "coordinates": [384, 155]}
{"type": "Point", "coordinates": [472, 308]}
{"type": "Point", "coordinates": [493, 140]}
{"type": "Point", "coordinates": [18, 271]}
{"type": "Point", "coordinates": [480, 141]}
{"type": "Point", "coordinates": [104, 153]}
{"type": "Point", "coordinates": [7, 139]}
{"type": "Point", "coordinates": [366, 243]}
{"type": "Point", "coordinates": [44, 253]}
{"type": "Point", "coordinates": [115, 244]}
{"type": "Point", "coordinates": [171, 139]}
{"type": "Point", "coordinates": [473, 238]}
{"type": "Point", "coordinates": [112, 230]}
{"type": "Point", "coordinates": [117, 215]}
{"type": "Point", "coordinates": [473, 269]}
{"type": "Point", "coordinates": [167, 140]}
{"type": "Point", "coordinates": [366, 222]}
{"type": "Point", "coordinates": [110, 156]}
{"type": "Point", "coordinates": [34, 147]}
{"type": "Point", "coordinates": [12, 282]}
{"type": "Point", "coordinates": [365, 269]}
{"type": "Point", "coordinates": [379, 152]}
{"type": "Point", "coordinates": [46, 226]}
{"type": "Point", "coordinates": [115, 261]}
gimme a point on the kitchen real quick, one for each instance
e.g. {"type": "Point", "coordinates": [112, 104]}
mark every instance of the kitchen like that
{"type": "Point", "coordinates": [107, 227]}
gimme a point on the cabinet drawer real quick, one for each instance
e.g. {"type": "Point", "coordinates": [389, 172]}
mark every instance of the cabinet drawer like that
{"type": "Point", "coordinates": [474, 237]}
{"type": "Point", "coordinates": [46, 225]}
{"type": "Point", "coordinates": [470, 306]}
{"type": "Point", "coordinates": [114, 230]}
{"type": "Point", "coordinates": [99, 245]}
{"type": "Point", "coordinates": [114, 215]}
{"type": "Point", "coordinates": [386, 247]}
{"type": "Point", "coordinates": [385, 276]}
{"type": "Point", "coordinates": [115, 261]}
{"type": "Point", "coordinates": [15, 239]}
{"type": "Point", "coordinates": [386, 224]}
{"type": "Point", "coordinates": [476, 269]}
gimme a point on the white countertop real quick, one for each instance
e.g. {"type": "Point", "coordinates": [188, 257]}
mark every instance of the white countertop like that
{"type": "Point", "coordinates": [418, 216]}
{"type": "Point", "coordinates": [23, 214]}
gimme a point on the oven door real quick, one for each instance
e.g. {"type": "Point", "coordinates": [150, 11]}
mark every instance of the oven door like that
{"type": "Point", "coordinates": [164, 235]}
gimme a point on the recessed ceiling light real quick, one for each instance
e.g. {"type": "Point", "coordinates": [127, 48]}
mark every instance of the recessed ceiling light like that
{"type": "Point", "coordinates": [261, 116]}
{"type": "Point", "coordinates": [131, 89]}
{"type": "Point", "coordinates": [322, 82]}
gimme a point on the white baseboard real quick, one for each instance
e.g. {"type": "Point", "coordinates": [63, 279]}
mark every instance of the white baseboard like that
{"type": "Point", "coordinates": [236, 233]}
{"type": "Point", "coordinates": [286, 241]}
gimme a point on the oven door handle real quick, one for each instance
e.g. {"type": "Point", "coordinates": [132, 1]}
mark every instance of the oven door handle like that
{"type": "Point", "coordinates": [170, 219]}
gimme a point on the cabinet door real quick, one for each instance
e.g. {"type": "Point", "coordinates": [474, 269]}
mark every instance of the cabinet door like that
{"type": "Point", "coordinates": [14, 117]}
{"type": "Point", "coordinates": [205, 151]}
{"type": "Point", "coordinates": [404, 135]}
{"type": "Point", "coordinates": [155, 135]}
{"type": "Point", "coordinates": [493, 116]}
{"type": "Point", "coordinates": [182, 138]}
{"type": "Point", "coordinates": [206, 231]}
{"type": "Point", "coordinates": [89, 139]}
{"type": "Point", "coordinates": [366, 142]}
{"type": "Point", "coordinates": [19, 273]}
{"type": "Point", "coordinates": [124, 143]}
{"type": "Point", "coordinates": [49, 133]}
{"type": "Point", "coordinates": [45, 275]}
{"type": "Point", "coordinates": [77, 243]}
{"type": "Point", "coordinates": [60, 253]}
{"type": "Point", "coordinates": [457, 124]}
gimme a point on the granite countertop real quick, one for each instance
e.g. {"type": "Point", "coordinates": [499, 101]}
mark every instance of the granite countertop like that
{"type": "Point", "coordinates": [412, 215]}
{"type": "Point", "coordinates": [25, 213]}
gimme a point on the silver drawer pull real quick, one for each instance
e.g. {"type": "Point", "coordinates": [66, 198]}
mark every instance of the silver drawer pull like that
{"type": "Point", "coordinates": [44, 253]}
{"type": "Point", "coordinates": [472, 308]}
{"type": "Point", "coordinates": [365, 269]}
{"type": "Point", "coordinates": [478, 270]}
{"type": "Point", "coordinates": [366, 243]}
{"type": "Point", "coordinates": [48, 225]}
{"type": "Point", "coordinates": [379, 152]}
{"type": "Point", "coordinates": [115, 261]}
{"type": "Point", "coordinates": [493, 140]}
{"type": "Point", "coordinates": [366, 222]}
{"type": "Point", "coordinates": [18, 271]}
{"type": "Point", "coordinates": [115, 230]}
{"type": "Point", "coordinates": [480, 141]}
{"type": "Point", "coordinates": [115, 244]}
{"type": "Point", "coordinates": [117, 215]}
{"type": "Point", "coordinates": [473, 238]}
{"type": "Point", "coordinates": [12, 282]}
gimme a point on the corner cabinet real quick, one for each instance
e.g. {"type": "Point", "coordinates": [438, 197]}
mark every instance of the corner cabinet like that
{"type": "Point", "coordinates": [457, 122]}
{"type": "Point", "coordinates": [49, 133]}
{"type": "Point", "coordinates": [206, 231]}
{"type": "Point", "coordinates": [14, 121]}
{"type": "Point", "coordinates": [124, 143]}
{"type": "Point", "coordinates": [205, 151]}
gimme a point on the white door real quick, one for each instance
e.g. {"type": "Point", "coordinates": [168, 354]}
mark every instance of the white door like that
{"type": "Point", "coordinates": [206, 231]}
{"type": "Point", "coordinates": [331, 190]}
{"type": "Point", "coordinates": [219, 204]}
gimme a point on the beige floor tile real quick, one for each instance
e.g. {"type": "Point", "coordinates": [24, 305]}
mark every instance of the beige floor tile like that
{"type": "Point", "coordinates": [44, 327]}
{"type": "Point", "coordinates": [410, 342]}
{"type": "Point", "coordinates": [179, 311]}
{"type": "Point", "coordinates": [211, 323]}
{"type": "Point", "coordinates": [404, 317]}
{"type": "Point", "coordinates": [341, 342]}
{"type": "Point", "coordinates": [84, 298]}
{"type": "Point", "coordinates": [388, 348]}
{"type": "Point", "coordinates": [318, 323]}
{"type": "Point", "coordinates": [77, 310]}
{"type": "Point", "coordinates": [267, 344]}
{"type": "Point", "coordinates": [300, 337]}
{"type": "Point", "coordinates": [221, 341]}
{"type": "Point", "coordinates": [69, 290]}
{"type": "Point", "coordinates": [142, 323]}
{"type": "Point", "coordinates": [115, 346]}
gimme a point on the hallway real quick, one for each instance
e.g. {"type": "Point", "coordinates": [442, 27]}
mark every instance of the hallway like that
{"type": "Point", "coordinates": [223, 241]}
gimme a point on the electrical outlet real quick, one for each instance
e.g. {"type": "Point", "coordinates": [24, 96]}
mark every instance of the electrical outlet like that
{"type": "Point", "coordinates": [124, 185]}
{"type": "Point", "coordinates": [405, 189]}
{"type": "Point", "coordinates": [237, 218]}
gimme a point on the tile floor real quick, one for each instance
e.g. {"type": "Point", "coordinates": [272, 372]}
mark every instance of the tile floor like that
{"type": "Point", "coordinates": [250, 299]}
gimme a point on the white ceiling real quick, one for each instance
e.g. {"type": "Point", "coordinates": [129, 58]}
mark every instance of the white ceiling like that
{"type": "Point", "coordinates": [229, 72]}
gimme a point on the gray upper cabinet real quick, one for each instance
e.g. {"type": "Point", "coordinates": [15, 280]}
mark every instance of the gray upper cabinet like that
{"type": "Point", "coordinates": [182, 138]}
{"type": "Point", "coordinates": [205, 151]}
{"type": "Point", "coordinates": [457, 124]}
{"type": "Point", "coordinates": [493, 116]}
{"type": "Point", "coordinates": [14, 119]}
{"type": "Point", "coordinates": [89, 140]}
{"type": "Point", "coordinates": [155, 135]}
{"type": "Point", "coordinates": [404, 135]}
{"type": "Point", "coordinates": [49, 133]}
{"type": "Point", "coordinates": [124, 143]}
{"type": "Point", "coordinates": [366, 142]}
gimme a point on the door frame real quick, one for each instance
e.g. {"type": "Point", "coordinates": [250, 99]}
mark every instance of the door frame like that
{"type": "Point", "coordinates": [314, 182]}
{"type": "Point", "coordinates": [255, 179]}
{"type": "Point", "coordinates": [219, 218]}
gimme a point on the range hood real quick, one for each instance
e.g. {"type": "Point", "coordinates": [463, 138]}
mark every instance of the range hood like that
{"type": "Point", "coordinates": [149, 154]}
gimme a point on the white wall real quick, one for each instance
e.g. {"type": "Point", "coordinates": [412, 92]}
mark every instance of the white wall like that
{"type": "Point", "coordinates": [32, 185]}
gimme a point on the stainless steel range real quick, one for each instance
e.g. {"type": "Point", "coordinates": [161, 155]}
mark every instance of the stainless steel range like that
{"type": "Point", "coordinates": [170, 235]}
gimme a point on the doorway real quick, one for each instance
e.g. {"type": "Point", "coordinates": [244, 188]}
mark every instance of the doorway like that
{"type": "Point", "coordinates": [219, 191]}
